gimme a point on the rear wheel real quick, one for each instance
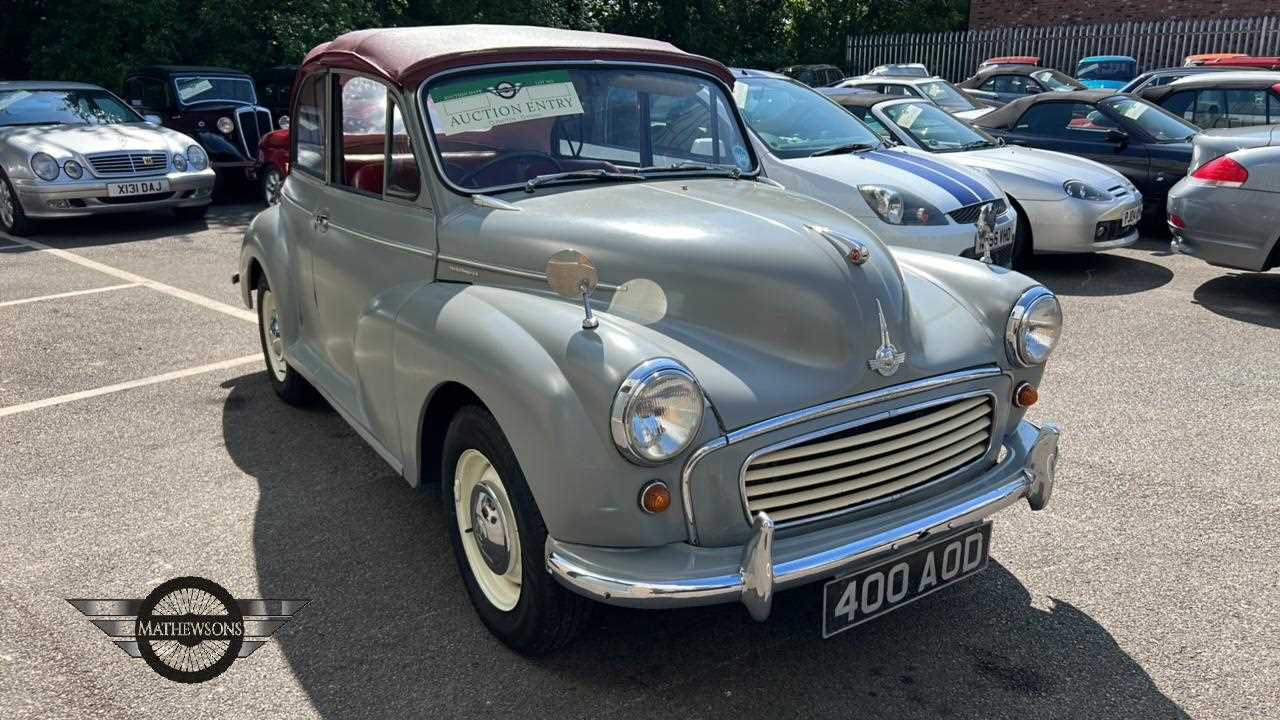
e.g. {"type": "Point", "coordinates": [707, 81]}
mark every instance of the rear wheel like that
{"type": "Point", "coordinates": [498, 536]}
{"type": "Point", "coordinates": [13, 219]}
{"type": "Point", "coordinates": [288, 384]}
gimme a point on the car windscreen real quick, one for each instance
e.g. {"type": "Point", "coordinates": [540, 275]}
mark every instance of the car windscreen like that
{"type": "Point", "coordinates": [63, 107]}
{"type": "Point", "coordinates": [1115, 70]}
{"type": "Point", "coordinates": [1055, 80]}
{"type": "Point", "coordinates": [503, 128]}
{"type": "Point", "coordinates": [197, 89]}
{"type": "Point", "coordinates": [795, 121]}
{"type": "Point", "coordinates": [1163, 126]}
{"type": "Point", "coordinates": [946, 96]}
{"type": "Point", "coordinates": [935, 129]}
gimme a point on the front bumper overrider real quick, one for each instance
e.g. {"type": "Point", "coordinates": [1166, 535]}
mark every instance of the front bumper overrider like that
{"type": "Point", "coordinates": [681, 575]}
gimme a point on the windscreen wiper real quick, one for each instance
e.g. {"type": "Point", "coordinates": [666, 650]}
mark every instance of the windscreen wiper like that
{"type": "Point", "coordinates": [844, 149]}
{"type": "Point", "coordinates": [596, 174]}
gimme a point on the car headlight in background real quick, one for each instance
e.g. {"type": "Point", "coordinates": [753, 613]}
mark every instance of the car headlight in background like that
{"type": "Point", "coordinates": [1082, 190]}
{"type": "Point", "coordinates": [73, 169]}
{"type": "Point", "coordinates": [226, 125]}
{"type": "Point", "coordinates": [1034, 327]}
{"type": "Point", "coordinates": [283, 122]}
{"type": "Point", "coordinates": [657, 412]}
{"type": "Point", "coordinates": [44, 166]}
{"type": "Point", "coordinates": [899, 207]}
{"type": "Point", "coordinates": [197, 159]}
{"type": "Point", "coordinates": [179, 162]}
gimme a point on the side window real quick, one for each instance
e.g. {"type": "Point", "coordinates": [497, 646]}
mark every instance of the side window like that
{"type": "Point", "coordinates": [1181, 104]}
{"type": "Point", "coordinates": [1209, 110]}
{"type": "Point", "coordinates": [153, 95]}
{"type": "Point", "coordinates": [362, 155]}
{"type": "Point", "coordinates": [308, 129]}
{"type": "Point", "coordinates": [404, 180]}
{"type": "Point", "coordinates": [1273, 109]}
{"type": "Point", "coordinates": [991, 85]}
{"type": "Point", "coordinates": [1246, 107]}
{"type": "Point", "coordinates": [877, 127]}
{"type": "Point", "coordinates": [133, 92]}
{"type": "Point", "coordinates": [1076, 121]}
{"type": "Point", "coordinates": [895, 89]}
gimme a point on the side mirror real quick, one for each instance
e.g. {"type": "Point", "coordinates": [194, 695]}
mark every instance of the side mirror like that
{"type": "Point", "coordinates": [572, 276]}
{"type": "Point", "coordinates": [153, 119]}
{"type": "Point", "coordinates": [1118, 137]}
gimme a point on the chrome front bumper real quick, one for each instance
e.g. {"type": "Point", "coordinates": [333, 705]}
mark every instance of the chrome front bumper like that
{"type": "Point", "coordinates": [680, 575]}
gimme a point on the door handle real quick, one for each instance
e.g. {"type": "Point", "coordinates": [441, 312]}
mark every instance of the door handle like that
{"type": "Point", "coordinates": [320, 221]}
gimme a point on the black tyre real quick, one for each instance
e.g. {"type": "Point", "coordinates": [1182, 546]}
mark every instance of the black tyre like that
{"type": "Point", "coordinates": [191, 213]}
{"type": "Point", "coordinates": [287, 382]}
{"type": "Point", "coordinates": [13, 219]}
{"type": "Point", "coordinates": [1022, 250]}
{"type": "Point", "coordinates": [498, 536]}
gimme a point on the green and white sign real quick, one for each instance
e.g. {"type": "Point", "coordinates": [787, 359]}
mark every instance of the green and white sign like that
{"type": "Point", "coordinates": [479, 105]}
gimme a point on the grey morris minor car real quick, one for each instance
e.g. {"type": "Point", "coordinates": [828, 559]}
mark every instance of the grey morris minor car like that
{"type": "Point", "coordinates": [539, 268]}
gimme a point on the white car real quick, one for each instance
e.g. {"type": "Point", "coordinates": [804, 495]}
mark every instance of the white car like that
{"type": "Point", "coordinates": [70, 149]}
{"type": "Point", "coordinates": [1066, 204]}
{"type": "Point", "coordinates": [907, 197]}
{"type": "Point", "coordinates": [934, 89]}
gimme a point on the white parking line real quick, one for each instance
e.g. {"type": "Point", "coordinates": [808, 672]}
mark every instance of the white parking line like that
{"type": "Point", "coordinates": [118, 387]}
{"type": "Point", "coordinates": [191, 297]}
{"type": "Point", "coordinates": [73, 293]}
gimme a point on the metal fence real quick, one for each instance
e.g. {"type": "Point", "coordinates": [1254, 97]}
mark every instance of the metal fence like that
{"type": "Point", "coordinates": [1162, 43]}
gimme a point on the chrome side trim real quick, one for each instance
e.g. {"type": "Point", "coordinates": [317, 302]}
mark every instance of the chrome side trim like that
{"type": "Point", "coordinates": [388, 243]}
{"type": "Point", "coordinates": [813, 413]}
{"type": "Point", "coordinates": [510, 271]}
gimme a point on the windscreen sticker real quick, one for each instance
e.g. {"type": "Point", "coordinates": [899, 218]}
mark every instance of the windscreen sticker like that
{"type": "Point", "coordinates": [1134, 111]}
{"type": "Point", "coordinates": [484, 104]}
{"type": "Point", "coordinates": [189, 89]}
{"type": "Point", "coordinates": [908, 116]}
{"type": "Point", "coordinates": [740, 91]}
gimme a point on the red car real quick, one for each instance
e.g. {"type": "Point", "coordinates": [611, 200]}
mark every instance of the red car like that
{"type": "Point", "coordinates": [273, 160]}
{"type": "Point", "coordinates": [1246, 61]}
{"type": "Point", "coordinates": [1010, 60]}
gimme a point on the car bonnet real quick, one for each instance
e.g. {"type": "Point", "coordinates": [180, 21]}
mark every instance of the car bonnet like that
{"type": "Point", "coordinates": [1046, 166]}
{"type": "Point", "coordinates": [943, 184]}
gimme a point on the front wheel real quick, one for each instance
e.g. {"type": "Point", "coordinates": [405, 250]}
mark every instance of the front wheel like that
{"type": "Point", "coordinates": [13, 219]}
{"type": "Point", "coordinates": [272, 182]}
{"type": "Point", "coordinates": [498, 535]}
{"type": "Point", "coordinates": [287, 382]}
{"type": "Point", "coordinates": [1021, 243]}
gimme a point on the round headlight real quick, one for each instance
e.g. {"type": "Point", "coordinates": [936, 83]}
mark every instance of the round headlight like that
{"type": "Point", "coordinates": [1082, 190]}
{"type": "Point", "coordinates": [1034, 328]}
{"type": "Point", "coordinates": [197, 158]}
{"type": "Point", "coordinates": [283, 122]}
{"type": "Point", "coordinates": [73, 169]}
{"type": "Point", "coordinates": [179, 162]}
{"type": "Point", "coordinates": [44, 166]}
{"type": "Point", "coordinates": [657, 412]}
{"type": "Point", "coordinates": [226, 125]}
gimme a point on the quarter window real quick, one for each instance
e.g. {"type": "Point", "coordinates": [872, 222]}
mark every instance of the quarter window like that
{"type": "Point", "coordinates": [308, 127]}
{"type": "Point", "coordinates": [1079, 121]}
{"type": "Point", "coordinates": [364, 134]}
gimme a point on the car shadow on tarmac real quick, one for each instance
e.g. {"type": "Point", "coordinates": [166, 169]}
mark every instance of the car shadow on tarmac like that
{"type": "Point", "coordinates": [1097, 274]}
{"type": "Point", "coordinates": [230, 213]}
{"type": "Point", "coordinates": [1247, 297]}
{"type": "Point", "coordinates": [389, 631]}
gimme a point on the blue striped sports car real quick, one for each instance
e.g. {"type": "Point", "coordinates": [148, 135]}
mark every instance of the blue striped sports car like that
{"type": "Point", "coordinates": [907, 197]}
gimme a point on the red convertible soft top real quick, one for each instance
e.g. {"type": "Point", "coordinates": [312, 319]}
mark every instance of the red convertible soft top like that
{"type": "Point", "coordinates": [406, 56]}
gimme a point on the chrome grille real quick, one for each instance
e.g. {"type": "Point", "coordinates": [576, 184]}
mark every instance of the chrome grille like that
{"type": "Point", "coordinates": [844, 469]}
{"type": "Point", "coordinates": [115, 164]}
{"type": "Point", "coordinates": [969, 213]}
{"type": "Point", "coordinates": [251, 124]}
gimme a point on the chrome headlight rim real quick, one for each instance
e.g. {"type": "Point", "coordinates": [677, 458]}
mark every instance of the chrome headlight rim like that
{"type": "Point", "coordinates": [197, 158]}
{"type": "Point", "coordinates": [1015, 328]}
{"type": "Point", "coordinates": [49, 163]}
{"type": "Point", "coordinates": [226, 125]}
{"type": "Point", "coordinates": [73, 169]}
{"type": "Point", "coordinates": [640, 379]}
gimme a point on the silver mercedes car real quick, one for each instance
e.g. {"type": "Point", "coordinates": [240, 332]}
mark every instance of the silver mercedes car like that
{"type": "Point", "coordinates": [71, 149]}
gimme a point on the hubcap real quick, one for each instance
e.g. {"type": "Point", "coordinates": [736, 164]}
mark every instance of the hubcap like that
{"type": "Point", "coordinates": [490, 537]}
{"type": "Point", "coordinates": [6, 205]}
{"type": "Point", "coordinates": [271, 329]}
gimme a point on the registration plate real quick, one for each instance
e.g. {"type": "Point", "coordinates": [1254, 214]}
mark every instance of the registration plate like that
{"type": "Point", "coordinates": [138, 187]}
{"type": "Point", "coordinates": [867, 594]}
{"type": "Point", "coordinates": [1131, 216]}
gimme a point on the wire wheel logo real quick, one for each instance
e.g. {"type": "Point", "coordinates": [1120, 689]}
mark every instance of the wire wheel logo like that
{"type": "Point", "coordinates": [189, 629]}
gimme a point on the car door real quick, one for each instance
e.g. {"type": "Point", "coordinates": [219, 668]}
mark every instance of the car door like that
{"type": "Point", "coordinates": [1085, 130]}
{"type": "Point", "coordinates": [374, 245]}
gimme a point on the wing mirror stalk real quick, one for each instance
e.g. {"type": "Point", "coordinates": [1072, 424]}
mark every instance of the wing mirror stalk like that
{"type": "Point", "coordinates": [572, 276]}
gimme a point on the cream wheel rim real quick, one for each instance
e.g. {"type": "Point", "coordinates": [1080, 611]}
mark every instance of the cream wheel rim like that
{"type": "Point", "coordinates": [271, 333]}
{"type": "Point", "coordinates": [490, 537]}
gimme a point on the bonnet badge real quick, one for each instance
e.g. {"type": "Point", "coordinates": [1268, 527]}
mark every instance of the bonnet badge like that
{"type": "Point", "coordinates": [887, 359]}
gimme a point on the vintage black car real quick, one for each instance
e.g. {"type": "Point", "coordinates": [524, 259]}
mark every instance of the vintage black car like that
{"type": "Point", "coordinates": [1146, 144]}
{"type": "Point", "coordinates": [274, 86]}
{"type": "Point", "coordinates": [216, 106]}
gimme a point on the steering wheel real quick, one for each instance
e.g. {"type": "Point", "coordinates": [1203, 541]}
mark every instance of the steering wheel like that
{"type": "Point", "coordinates": [522, 162]}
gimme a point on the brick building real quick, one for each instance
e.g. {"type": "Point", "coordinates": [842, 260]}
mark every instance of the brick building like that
{"type": "Point", "coordinates": [988, 14]}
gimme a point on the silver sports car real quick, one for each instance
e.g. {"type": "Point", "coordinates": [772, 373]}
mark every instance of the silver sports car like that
{"type": "Point", "coordinates": [71, 149]}
{"type": "Point", "coordinates": [1227, 211]}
